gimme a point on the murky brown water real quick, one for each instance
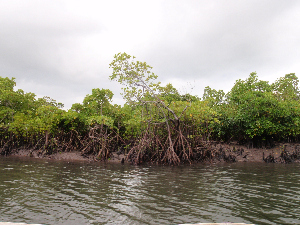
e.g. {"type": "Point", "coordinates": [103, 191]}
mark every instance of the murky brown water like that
{"type": "Point", "coordinates": [37, 191]}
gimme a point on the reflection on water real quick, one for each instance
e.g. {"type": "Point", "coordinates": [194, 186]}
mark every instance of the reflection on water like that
{"type": "Point", "coordinates": [36, 191]}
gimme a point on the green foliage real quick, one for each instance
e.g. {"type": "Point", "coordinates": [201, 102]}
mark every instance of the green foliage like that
{"type": "Point", "coordinates": [49, 101]}
{"type": "Point", "coordinates": [28, 124]}
{"type": "Point", "coordinates": [71, 121]}
{"type": "Point", "coordinates": [213, 97]}
{"type": "Point", "coordinates": [7, 84]}
{"type": "Point", "coordinates": [157, 122]}
{"type": "Point", "coordinates": [105, 120]}
{"type": "Point", "coordinates": [286, 88]}
{"type": "Point", "coordinates": [256, 110]}
{"type": "Point", "coordinates": [98, 101]}
{"type": "Point", "coordinates": [12, 101]}
{"type": "Point", "coordinates": [135, 75]}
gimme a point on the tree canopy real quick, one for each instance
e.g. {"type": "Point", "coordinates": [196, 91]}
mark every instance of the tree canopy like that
{"type": "Point", "coordinates": [157, 123]}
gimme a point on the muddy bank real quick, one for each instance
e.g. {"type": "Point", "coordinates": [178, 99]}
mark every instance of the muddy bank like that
{"type": "Point", "coordinates": [65, 156]}
{"type": "Point", "coordinates": [281, 153]}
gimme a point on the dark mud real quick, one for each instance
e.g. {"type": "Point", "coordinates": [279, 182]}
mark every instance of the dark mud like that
{"type": "Point", "coordinates": [281, 153]}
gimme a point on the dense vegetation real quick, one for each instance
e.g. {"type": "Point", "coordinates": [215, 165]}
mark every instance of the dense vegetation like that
{"type": "Point", "coordinates": [157, 123]}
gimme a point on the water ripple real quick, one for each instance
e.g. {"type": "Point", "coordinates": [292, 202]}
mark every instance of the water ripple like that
{"type": "Point", "coordinates": [77, 193]}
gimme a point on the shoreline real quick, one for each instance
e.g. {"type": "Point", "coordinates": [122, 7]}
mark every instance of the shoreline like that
{"type": "Point", "coordinates": [63, 156]}
{"type": "Point", "coordinates": [239, 152]}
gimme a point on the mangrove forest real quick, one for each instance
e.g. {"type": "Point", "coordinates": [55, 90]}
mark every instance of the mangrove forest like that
{"type": "Point", "coordinates": [157, 124]}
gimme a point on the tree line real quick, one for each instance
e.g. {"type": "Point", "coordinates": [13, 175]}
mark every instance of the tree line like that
{"type": "Point", "coordinates": [157, 123]}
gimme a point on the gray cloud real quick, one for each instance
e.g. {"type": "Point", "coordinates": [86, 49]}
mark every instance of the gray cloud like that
{"type": "Point", "coordinates": [62, 49]}
{"type": "Point", "coordinates": [35, 37]}
{"type": "Point", "coordinates": [227, 40]}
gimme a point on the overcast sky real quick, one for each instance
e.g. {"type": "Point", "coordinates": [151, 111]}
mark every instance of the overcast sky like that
{"type": "Point", "coordinates": [62, 48]}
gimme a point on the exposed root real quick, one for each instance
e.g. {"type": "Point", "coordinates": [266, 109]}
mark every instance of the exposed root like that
{"type": "Point", "coordinates": [270, 158]}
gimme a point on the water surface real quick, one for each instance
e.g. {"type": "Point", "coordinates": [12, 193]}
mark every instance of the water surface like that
{"type": "Point", "coordinates": [40, 191]}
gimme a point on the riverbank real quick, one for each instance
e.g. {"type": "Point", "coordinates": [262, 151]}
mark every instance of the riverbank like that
{"type": "Point", "coordinates": [280, 153]}
{"type": "Point", "coordinates": [64, 156]}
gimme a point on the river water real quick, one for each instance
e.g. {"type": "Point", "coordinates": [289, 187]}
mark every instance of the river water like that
{"type": "Point", "coordinates": [47, 192]}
